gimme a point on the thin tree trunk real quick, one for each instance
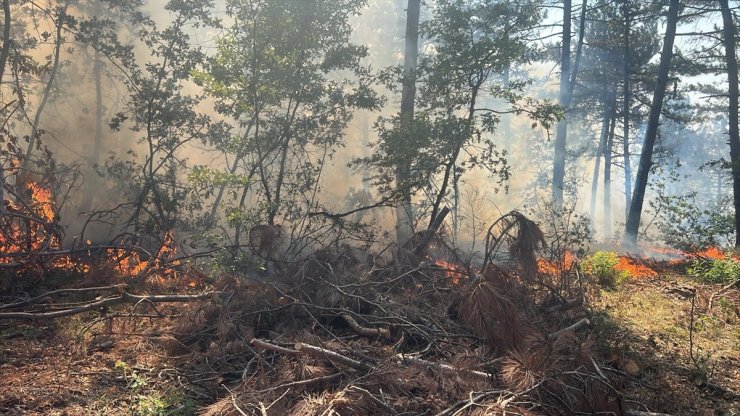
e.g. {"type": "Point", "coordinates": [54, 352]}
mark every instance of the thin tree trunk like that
{"type": "Point", "coordinates": [599, 153]}
{"type": "Point", "coordinates": [608, 165]}
{"type": "Point", "coordinates": [579, 47]}
{"type": "Point", "coordinates": [404, 213]}
{"type": "Point", "coordinates": [3, 60]}
{"type": "Point", "coordinates": [61, 17]}
{"type": "Point", "coordinates": [558, 174]}
{"type": "Point", "coordinates": [506, 120]}
{"type": "Point", "coordinates": [626, 111]}
{"type": "Point", "coordinates": [646, 157]}
{"type": "Point", "coordinates": [730, 34]}
{"type": "Point", "coordinates": [6, 39]}
{"type": "Point", "coordinates": [94, 182]}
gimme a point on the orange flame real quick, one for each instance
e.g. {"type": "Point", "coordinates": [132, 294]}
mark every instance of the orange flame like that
{"type": "Point", "coordinates": [130, 263]}
{"type": "Point", "coordinates": [556, 267]}
{"type": "Point", "coordinates": [636, 270]}
{"type": "Point", "coordinates": [452, 271]}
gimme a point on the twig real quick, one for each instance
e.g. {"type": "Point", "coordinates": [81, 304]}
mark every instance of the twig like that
{"type": "Point", "coordinates": [639, 413]}
{"type": "Point", "coordinates": [303, 382]}
{"type": "Point", "coordinates": [268, 346]}
{"type": "Point", "coordinates": [362, 330]}
{"type": "Point", "coordinates": [319, 352]}
{"type": "Point", "coordinates": [469, 402]}
{"type": "Point", "coordinates": [576, 326]}
{"type": "Point", "coordinates": [596, 367]}
{"type": "Point", "coordinates": [375, 400]}
{"type": "Point", "coordinates": [719, 292]}
{"type": "Point", "coordinates": [443, 367]}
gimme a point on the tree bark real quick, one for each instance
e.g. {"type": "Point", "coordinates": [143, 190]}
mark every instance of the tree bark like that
{"type": "Point", "coordinates": [608, 165]}
{"type": "Point", "coordinates": [579, 46]}
{"type": "Point", "coordinates": [558, 173]}
{"type": "Point", "coordinates": [404, 213]}
{"type": "Point", "coordinates": [730, 34]}
{"type": "Point", "coordinates": [626, 111]}
{"type": "Point", "coordinates": [646, 157]}
{"type": "Point", "coordinates": [599, 153]}
{"type": "Point", "coordinates": [6, 39]}
{"type": "Point", "coordinates": [94, 182]}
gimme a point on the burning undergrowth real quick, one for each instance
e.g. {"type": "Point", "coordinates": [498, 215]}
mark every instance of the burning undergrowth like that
{"type": "Point", "coordinates": [350, 334]}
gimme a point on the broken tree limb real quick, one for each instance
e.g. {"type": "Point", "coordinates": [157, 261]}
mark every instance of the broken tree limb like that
{"type": "Point", "coordinates": [272, 347]}
{"type": "Point", "coordinates": [124, 297]}
{"type": "Point", "coordinates": [365, 331]}
{"type": "Point", "coordinates": [332, 356]}
{"type": "Point", "coordinates": [433, 227]}
{"type": "Point", "coordinates": [576, 326]}
{"type": "Point", "coordinates": [113, 288]}
{"type": "Point", "coordinates": [442, 367]}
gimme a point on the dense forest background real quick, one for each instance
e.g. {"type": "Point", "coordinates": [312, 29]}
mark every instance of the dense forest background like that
{"type": "Point", "coordinates": [320, 207]}
{"type": "Point", "coordinates": [339, 121]}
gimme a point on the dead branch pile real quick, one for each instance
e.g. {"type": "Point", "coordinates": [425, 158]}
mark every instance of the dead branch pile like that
{"type": "Point", "coordinates": [340, 334]}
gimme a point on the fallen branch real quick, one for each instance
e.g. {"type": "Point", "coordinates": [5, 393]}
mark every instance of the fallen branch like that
{"type": "Point", "coordinates": [114, 288]}
{"type": "Point", "coordinates": [719, 292]}
{"type": "Point", "coordinates": [576, 326]}
{"type": "Point", "coordinates": [442, 367]}
{"type": "Point", "coordinates": [365, 331]}
{"type": "Point", "coordinates": [124, 297]}
{"type": "Point", "coordinates": [272, 347]}
{"type": "Point", "coordinates": [319, 352]}
{"type": "Point", "coordinates": [639, 413]}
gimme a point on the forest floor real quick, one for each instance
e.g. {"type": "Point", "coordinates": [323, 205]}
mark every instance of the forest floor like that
{"type": "Point", "coordinates": [642, 329]}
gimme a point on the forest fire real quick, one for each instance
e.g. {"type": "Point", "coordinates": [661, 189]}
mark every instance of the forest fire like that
{"type": "Point", "coordinates": [556, 267]}
{"type": "Point", "coordinates": [634, 268]}
{"type": "Point", "coordinates": [455, 273]}
{"type": "Point", "coordinates": [130, 262]}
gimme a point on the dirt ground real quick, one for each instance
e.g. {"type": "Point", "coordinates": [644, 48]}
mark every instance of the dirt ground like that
{"type": "Point", "coordinates": [68, 367]}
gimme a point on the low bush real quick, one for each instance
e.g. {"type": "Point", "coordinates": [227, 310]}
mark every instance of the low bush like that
{"type": "Point", "coordinates": [725, 271]}
{"type": "Point", "coordinates": [602, 266]}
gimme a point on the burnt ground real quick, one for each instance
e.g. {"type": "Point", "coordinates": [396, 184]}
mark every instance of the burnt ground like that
{"type": "Point", "coordinates": [74, 366]}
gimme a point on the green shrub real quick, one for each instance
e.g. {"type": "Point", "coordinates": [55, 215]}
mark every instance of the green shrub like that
{"type": "Point", "coordinates": [601, 266]}
{"type": "Point", "coordinates": [723, 271]}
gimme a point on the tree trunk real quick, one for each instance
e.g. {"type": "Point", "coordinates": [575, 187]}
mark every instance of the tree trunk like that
{"type": "Point", "coordinates": [94, 182]}
{"type": "Point", "coordinates": [506, 119]}
{"type": "Point", "coordinates": [608, 165]}
{"type": "Point", "coordinates": [646, 157]}
{"type": "Point", "coordinates": [730, 34]}
{"type": "Point", "coordinates": [61, 17]}
{"type": "Point", "coordinates": [558, 170]}
{"type": "Point", "coordinates": [404, 213]}
{"type": "Point", "coordinates": [6, 39]}
{"type": "Point", "coordinates": [626, 111]}
{"type": "Point", "coordinates": [599, 152]}
{"type": "Point", "coordinates": [579, 47]}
